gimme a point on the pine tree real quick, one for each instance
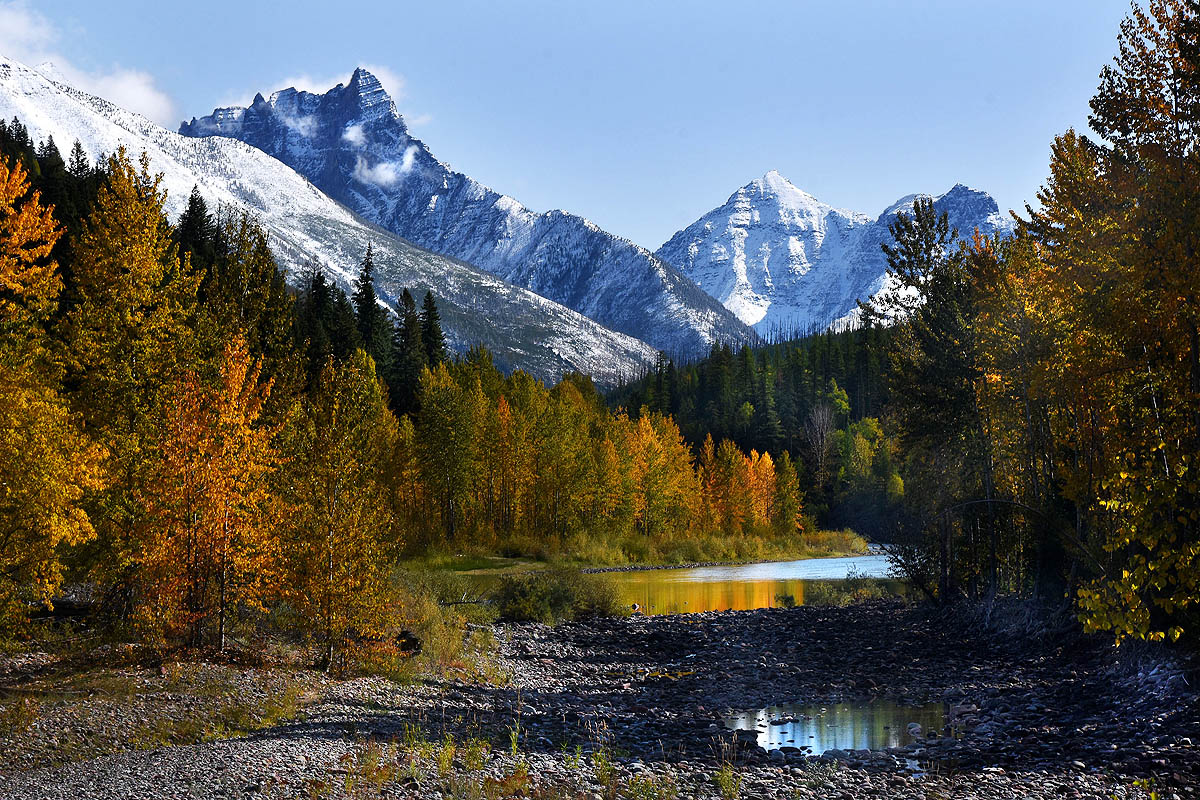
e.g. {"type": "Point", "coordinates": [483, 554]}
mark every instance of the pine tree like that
{"type": "Point", "coordinates": [408, 357]}
{"type": "Point", "coordinates": [325, 322]}
{"type": "Point", "coordinates": [79, 166]}
{"type": "Point", "coordinates": [431, 332]}
{"type": "Point", "coordinates": [244, 294]}
{"type": "Point", "coordinates": [196, 232]}
{"type": "Point", "coordinates": [374, 326]}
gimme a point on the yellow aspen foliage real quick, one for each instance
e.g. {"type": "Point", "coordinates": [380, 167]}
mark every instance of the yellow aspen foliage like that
{"type": "Point", "coordinates": [1118, 264]}
{"type": "Point", "coordinates": [29, 282]}
{"type": "Point", "coordinates": [447, 432]}
{"type": "Point", "coordinates": [210, 546]}
{"type": "Point", "coordinates": [127, 339]}
{"type": "Point", "coordinates": [562, 461]}
{"type": "Point", "coordinates": [608, 499]}
{"type": "Point", "coordinates": [788, 505]}
{"type": "Point", "coordinates": [341, 536]}
{"type": "Point", "coordinates": [408, 493]}
{"type": "Point", "coordinates": [46, 463]}
{"type": "Point", "coordinates": [732, 492]}
{"type": "Point", "coordinates": [761, 469]}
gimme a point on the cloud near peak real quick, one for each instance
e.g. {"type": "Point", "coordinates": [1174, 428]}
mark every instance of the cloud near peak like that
{"type": "Point", "coordinates": [385, 173]}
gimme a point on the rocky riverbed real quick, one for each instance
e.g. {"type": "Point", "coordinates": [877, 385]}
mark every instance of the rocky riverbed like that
{"type": "Point", "coordinates": [634, 708]}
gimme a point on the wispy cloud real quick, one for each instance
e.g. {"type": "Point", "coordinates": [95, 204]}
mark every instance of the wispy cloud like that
{"type": "Point", "coordinates": [385, 173]}
{"type": "Point", "coordinates": [354, 135]}
{"type": "Point", "coordinates": [410, 155]}
{"type": "Point", "coordinates": [30, 37]}
{"type": "Point", "coordinates": [305, 126]}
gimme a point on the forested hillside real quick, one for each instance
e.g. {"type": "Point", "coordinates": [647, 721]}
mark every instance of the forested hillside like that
{"type": "Point", "coordinates": [817, 398]}
{"type": "Point", "coordinates": [194, 444]}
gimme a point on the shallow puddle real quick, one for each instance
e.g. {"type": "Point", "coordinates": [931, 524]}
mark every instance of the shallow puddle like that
{"type": "Point", "coordinates": [841, 726]}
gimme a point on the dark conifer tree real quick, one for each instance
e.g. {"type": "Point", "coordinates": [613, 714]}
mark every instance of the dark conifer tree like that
{"type": "Point", "coordinates": [325, 323]}
{"type": "Point", "coordinates": [431, 332]}
{"type": "Point", "coordinates": [408, 356]}
{"type": "Point", "coordinates": [196, 232]}
{"type": "Point", "coordinates": [79, 166]}
{"type": "Point", "coordinates": [374, 327]}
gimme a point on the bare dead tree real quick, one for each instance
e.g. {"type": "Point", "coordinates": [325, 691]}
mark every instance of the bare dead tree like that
{"type": "Point", "coordinates": [818, 430]}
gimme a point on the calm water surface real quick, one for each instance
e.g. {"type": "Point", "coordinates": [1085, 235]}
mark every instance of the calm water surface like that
{"type": "Point", "coordinates": [749, 586]}
{"type": "Point", "coordinates": [843, 726]}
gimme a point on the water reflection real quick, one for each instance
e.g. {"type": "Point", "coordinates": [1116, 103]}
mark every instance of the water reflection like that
{"type": "Point", "coordinates": [844, 726]}
{"type": "Point", "coordinates": [750, 586]}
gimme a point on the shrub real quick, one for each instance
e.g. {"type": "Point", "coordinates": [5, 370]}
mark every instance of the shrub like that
{"type": "Point", "coordinates": [554, 595]}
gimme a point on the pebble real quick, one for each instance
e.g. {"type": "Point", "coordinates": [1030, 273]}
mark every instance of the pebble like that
{"type": "Point", "coordinates": [1039, 717]}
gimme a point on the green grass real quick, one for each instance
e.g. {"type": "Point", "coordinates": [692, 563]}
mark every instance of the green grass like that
{"type": "Point", "coordinates": [470, 563]}
{"type": "Point", "coordinates": [614, 549]}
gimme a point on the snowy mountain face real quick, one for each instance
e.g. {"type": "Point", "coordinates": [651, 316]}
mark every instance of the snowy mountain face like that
{"type": "Point", "coordinates": [521, 328]}
{"type": "Point", "coordinates": [784, 261]}
{"type": "Point", "coordinates": [353, 144]}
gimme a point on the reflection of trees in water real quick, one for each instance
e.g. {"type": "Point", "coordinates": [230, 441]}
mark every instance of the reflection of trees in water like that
{"type": "Point", "coordinates": [869, 726]}
{"type": "Point", "coordinates": [659, 595]}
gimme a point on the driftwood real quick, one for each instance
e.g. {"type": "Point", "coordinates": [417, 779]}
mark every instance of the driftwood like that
{"type": "Point", "coordinates": [464, 601]}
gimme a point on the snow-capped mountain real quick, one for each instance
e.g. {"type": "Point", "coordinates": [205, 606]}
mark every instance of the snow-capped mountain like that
{"type": "Point", "coordinates": [353, 144]}
{"type": "Point", "coordinates": [521, 328]}
{"type": "Point", "coordinates": [784, 261]}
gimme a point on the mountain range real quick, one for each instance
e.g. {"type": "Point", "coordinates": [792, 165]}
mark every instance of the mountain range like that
{"type": "Point", "coordinates": [521, 328]}
{"type": "Point", "coordinates": [353, 144]}
{"type": "Point", "coordinates": [785, 262]}
{"type": "Point", "coordinates": [326, 174]}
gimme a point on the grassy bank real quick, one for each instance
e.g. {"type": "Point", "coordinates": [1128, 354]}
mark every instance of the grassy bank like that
{"type": "Point", "coordinates": [583, 552]}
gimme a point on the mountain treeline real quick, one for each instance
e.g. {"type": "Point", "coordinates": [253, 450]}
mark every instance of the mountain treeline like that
{"type": "Point", "coordinates": [202, 447]}
{"type": "Point", "coordinates": [817, 398]}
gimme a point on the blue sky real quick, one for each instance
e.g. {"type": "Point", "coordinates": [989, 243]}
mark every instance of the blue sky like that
{"type": "Point", "coordinates": [638, 115]}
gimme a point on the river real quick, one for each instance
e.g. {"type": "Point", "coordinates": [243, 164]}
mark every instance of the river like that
{"type": "Point", "coordinates": [762, 585]}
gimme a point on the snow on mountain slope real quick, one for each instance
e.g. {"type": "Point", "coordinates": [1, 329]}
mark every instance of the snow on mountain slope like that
{"type": "Point", "coordinates": [784, 261]}
{"type": "Point", "coordinates": [354, 145]}
{"type": "Point", "coordinates": [521, 328]}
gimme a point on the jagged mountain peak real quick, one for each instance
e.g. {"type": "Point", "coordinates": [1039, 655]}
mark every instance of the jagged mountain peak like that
{"type": "Point", "coordinates": [521, 328]}
{"type": "Point", "coordinates": [361, 100]}
{"type": "Point", "coordinates": [782, 260]}
{"type": "Point", "coordinates": [352, 143]}
{"type": "Point", "coordinates": [775, 189]}
{"type": "Point", "coordinates": [960, 196]}
{"type": "Point", "coordinates": [365, 84]}
{"type": "Point", "coordinates": [774, 185]}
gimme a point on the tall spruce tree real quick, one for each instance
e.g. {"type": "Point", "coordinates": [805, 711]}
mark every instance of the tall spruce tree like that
{"type": "Point", "coordinates": [325, 321]}
{"type": "Point", "coordinates": [79, 166]}
{"type": "Point", "coordinates": [196, 231]}
{"type": "Point", "coordinates": [431, 332]}
{"type": "Point", "coordinates": [408, 357]}
{"type": "Point", "coordinates": [374, 327]}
